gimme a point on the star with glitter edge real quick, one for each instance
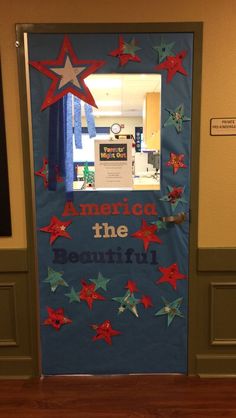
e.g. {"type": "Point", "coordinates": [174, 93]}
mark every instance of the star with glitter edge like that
{"type": "Point", "coordinates": [67, 73]}
{"type": "Point", "coordinates": [176, 162]}
{"type": "Point", "coordinates": [56, 318]}
{"type": "Point", "coordinates": [174, 196]}
{"type": "Point", "coordinates": [176, 118]}
{"type": "Point", "coordinates": [89, 295]}
{"type": "Point", "coordinates": [105, 332]}
{"type": "Point", "coordinates": [173, 64]}
{"type": "Point", "coordinates": [43, 172]}
{"type": "Point", "coordinates": [147, 234]}
{"type": "Point", "coordinates": [131, 285]}
{"type": "Point", "coordinates": [55, 279]}
{"type": "Point", "coordinates": [146, 301]}
{"type": "Point", "coordinates": [128, 301]}
{"type": "Point", "coordinates": [164, 50]}
{"type": "Point", "coordinates": [126, 51]}
{"type": "Point", "coordinates": [100, 282]}
{"type": "Point", "coordinates": [171, 309]}
{"type": "Point", "coordinates": [73, 296]}
{"type": "Point", "coordinates": [170, 275]}
{"type": "Point", "coordinates": [57, 229]}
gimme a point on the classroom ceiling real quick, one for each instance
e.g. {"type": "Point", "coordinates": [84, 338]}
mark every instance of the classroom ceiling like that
{"type": "Point", "coordinates": [121, 94]}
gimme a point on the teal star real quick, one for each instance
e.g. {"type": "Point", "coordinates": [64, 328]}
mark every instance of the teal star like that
{"type": "Point", "coordinates": [55, 279]}
{"type": "Point", "coordinates": [160, 224]}
{"type": "Point", "coordinates": [174, 196]}
{"type": "Point", "coordinates": [176, 118]}
{"type": "Point", "coordinates": [128, 301]}
{"type": "Point", "coordinates": [100, 282]}
{"type": "Point", "coordinates": [164, 50]}
{"type": "Point", "coordinates": [73, 296]}
{"type": "Point", "coordinates": [171, 309]}
{"type": "Point", "coordinates": [130, 47]}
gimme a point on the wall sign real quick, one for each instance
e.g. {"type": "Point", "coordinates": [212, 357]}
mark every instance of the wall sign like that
{"type": "Point", "coordinates": [223, 126]}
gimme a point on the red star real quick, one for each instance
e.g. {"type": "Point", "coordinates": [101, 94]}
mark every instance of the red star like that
{"type": "Point", "coordinates": [131, 286]}
{"type": "Point", "coordinates": [56, 318]}
{"type": "Point", "coordinates": [43, 172]}
{"type": "Point", "coordinates": [57, 229]}
{"type": "Point", "coordinates": [173, 65]}
{"type": "Point", "coordinates": [170, 275]}
{"type": "Point", "coordinates": [105, 332]}
{"type": "Point", "coordinates": [122, 55]}
{"type": "Point", "coordinates": [88, 294]}
{"type": "Point", "coordinates": [176, 161]}
{"type": "Point", "coordinates": [67, 64]}
{"type": "Point", "coordinates": [146, 301]}
{"type": "Point", "coordinates": [147, 234]}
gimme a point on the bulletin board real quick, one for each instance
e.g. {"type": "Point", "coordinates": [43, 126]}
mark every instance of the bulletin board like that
{"type": "Point", "coordinates": [113, 266]}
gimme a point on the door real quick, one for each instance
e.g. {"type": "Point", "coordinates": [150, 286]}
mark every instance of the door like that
{"type": "Point", "coordinates": [113, 259]}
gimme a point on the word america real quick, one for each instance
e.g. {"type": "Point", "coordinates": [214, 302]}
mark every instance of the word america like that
{"type": "Point", "coordinates": [119, 208]}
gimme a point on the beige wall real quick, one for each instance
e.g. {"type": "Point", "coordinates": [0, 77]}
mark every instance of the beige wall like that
{"type": "Point", "coordinates": [217, 166]}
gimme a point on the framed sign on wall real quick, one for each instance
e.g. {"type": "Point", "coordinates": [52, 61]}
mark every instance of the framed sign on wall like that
{"type": "Point", "coordinates": [5, 224]}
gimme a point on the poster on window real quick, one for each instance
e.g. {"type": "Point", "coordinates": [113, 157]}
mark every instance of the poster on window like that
{"type": "Point", "coordinates": [113, 164]}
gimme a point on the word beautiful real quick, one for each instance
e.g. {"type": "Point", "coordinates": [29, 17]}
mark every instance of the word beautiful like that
{"type": "Point", "coordinates": [105, 209]}
{"type": "Point", "coordinates": [129, 256]}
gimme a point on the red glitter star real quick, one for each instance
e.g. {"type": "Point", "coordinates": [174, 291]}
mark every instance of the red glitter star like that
{"type": "Point", "coordinates": [173, 65]}
{"type": "Point", "coordinates": [67, 73]}
{"type": "Point", "coordinates": [125, 52]}
{"type": "Point", "coordinates": [170, 275]}
{"type": "Point", "coordinates": [147, 234]}
{"type": "Point", "coordinates": [146, 301]}
{"type": "Point", "coordinates": [57, 229]}
{"type": "Point", "coordinates": [56, 318]}
{"type": "Point", "coordinates": [131, 286]}
{"type": "Point", "coordinates": [176, 161]}
{"type": "Point", "coordinates": [105, 332]}
{"type": "Point", "coordinates": [43, 172]}
{"type": "Point", "coordinates": [88, 294]}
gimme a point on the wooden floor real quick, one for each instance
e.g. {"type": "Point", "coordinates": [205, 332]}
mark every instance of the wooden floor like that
{"type": "Point", "coordinates": [118, 397]}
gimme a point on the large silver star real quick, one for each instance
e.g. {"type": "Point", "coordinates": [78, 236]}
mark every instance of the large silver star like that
{"type": "Point", "coordinates": [68, 74]}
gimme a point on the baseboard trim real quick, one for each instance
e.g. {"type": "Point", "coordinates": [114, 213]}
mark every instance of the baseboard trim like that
{"type": "Point", "coordinates": [17, 367]}
{"type": "Point", "coordinates": [209, 365]}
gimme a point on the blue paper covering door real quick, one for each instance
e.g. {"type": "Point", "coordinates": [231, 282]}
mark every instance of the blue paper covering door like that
{"type": "Point", "coordinates": [113, 305]}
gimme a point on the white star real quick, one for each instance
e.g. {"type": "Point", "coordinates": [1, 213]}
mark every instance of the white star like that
{"type": "Point", "coordinates": [68, 73]}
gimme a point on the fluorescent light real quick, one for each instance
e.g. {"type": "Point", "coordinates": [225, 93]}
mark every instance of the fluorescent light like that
{"type": "Point", "coordinates": [101, 83]}
{"type": "Point", "coordinates": [107, 103]}
{"type": "Point", "coordinates": [106, 113]}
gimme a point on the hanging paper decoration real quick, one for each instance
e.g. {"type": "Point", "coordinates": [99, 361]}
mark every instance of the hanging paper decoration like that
{"type": "Point", "coordinates": [146, 301]}
{"type": "Point", "coordinates": [89, 176]}
{"type": "Point", "coordinates": [57, 229]}
{"type": "Point", "coordinates": [173, 64]}
{"type": "Point", "coordinates": [164, 50]}
{"type": "Point", "coordinates": [67, 73]}
{"type": "Point", "coordinates": [176, 161]}
{"type": "Point", "coordinates": [90, 120]}
{"type": "Point", "coordinates": [105, 332]}
{"type": "Point", "coordinates": [101, 282]}
{"type": "Point", "coordinates": [174, 196]}
{"type": "Point", "coordinates": [128, 301]}
{"type": "Point", "coordinates": [170, 275]}
{"type": "Point", "coordinates": [55, 279]}
{"type": "Point", "coordinates": [89, 295]}
{"type": "Point", "coordinates": [147, 234]}
{"type": "Point", "coordinates": [126, 51]}
{"type": "Point", "coordinates": [56, 318]}
{"type": "Point", "coordinates": [171, 309]}
{"type": "Point", "coordinates": [176, 118]}
{"type": "Point", "coordinates": [73, 296]}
